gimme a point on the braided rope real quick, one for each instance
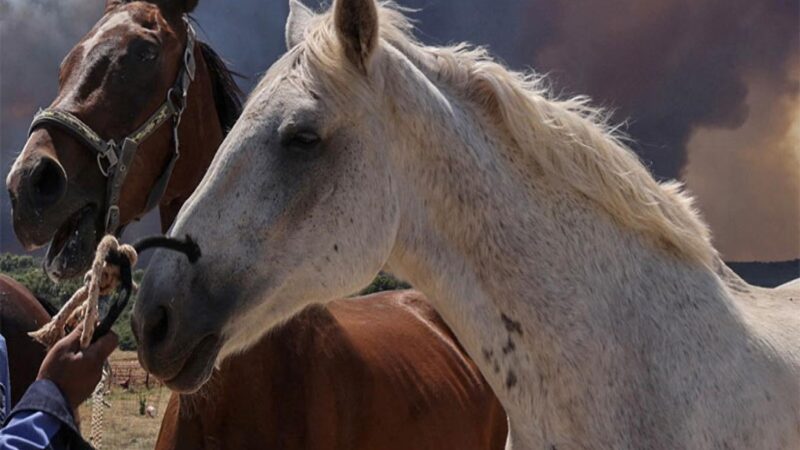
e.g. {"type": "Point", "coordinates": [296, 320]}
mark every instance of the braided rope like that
{"type": "Point", "coordinates": [98, 407]}
{"type": "Point", "coordinates": [102, 279]}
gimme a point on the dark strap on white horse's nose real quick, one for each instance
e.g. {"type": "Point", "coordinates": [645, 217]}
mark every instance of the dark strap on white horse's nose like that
{"type": "Point", "coordinates": [187, 246]}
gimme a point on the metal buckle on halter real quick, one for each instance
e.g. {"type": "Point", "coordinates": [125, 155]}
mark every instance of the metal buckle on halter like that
{"type": "Point", "coordinates": [110, 155]}
{"type": "Point", "coordinates": [178, 105]}
{"type": "Point", "coordinates": [189, 63]}
{"type": "Point", "coordinates": [188, 53]}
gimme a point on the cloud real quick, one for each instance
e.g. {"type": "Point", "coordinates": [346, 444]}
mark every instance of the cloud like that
{"type": "Point", "coordinates": [34, 36]}
{"type": "Point", "coordinates": [686, 74]}
{"type": "Point", "coordinates": [747, 180]}
{"type": "Point", "coordinates": [668, 65]}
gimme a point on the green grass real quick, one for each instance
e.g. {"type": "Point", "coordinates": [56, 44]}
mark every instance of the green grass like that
{"type": "Point", "coordinates": [123, 426]}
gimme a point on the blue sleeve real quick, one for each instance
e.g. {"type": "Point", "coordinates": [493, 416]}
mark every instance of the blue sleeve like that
{"type": "Point", "coordinates": [5, 381]}
{"type": "Point", "coordinates": [41, 420]}
{"type": "Point", "coordinates": [29, 430]}
{"type": "Point", "coordinates": [26, 429]}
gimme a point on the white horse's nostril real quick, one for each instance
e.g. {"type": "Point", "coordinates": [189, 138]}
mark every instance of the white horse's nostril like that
{"type": "Point", "coordinates": [156, 327]}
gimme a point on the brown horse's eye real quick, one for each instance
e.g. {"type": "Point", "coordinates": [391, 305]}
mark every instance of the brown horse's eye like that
{"type": "Point", "coordinates": [144, 51]}
{"type": "Point", "coordinates": [149, 54]}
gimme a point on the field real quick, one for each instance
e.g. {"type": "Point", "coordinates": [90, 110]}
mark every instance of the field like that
{"type": "Point", "coordinates": [124, 427]}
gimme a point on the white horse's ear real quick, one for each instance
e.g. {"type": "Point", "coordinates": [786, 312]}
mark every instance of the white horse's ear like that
{"type": "Point", "coordinates": [299, 17]}
{"type": "Point", "coordinates": [357, 26]}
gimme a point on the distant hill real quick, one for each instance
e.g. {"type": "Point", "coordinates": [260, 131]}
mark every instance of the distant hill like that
{"type": "Point", "coordinates": [767, 274]}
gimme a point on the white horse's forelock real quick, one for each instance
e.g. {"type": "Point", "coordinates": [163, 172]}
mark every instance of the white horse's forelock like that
{"type": "Point", "coordinates": [596, 163]}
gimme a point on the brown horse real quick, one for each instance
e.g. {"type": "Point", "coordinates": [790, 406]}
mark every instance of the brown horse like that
{"type": "Point", "coordinates": [357, 373]}
{"type": "Point", "coordinates": [56, 190]}
{"type": "Point", "coordinates": [21, 312]}
{"type": "Point", "coordinates": [375, 372]}
{"type": "Point", "coordinates": [113, 81]}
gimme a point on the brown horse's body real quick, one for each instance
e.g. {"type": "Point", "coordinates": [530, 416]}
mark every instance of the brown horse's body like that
{"type": "Point", "coordinates": [21, 312]}
{"type": "Point", "coordinates": [377, 372]}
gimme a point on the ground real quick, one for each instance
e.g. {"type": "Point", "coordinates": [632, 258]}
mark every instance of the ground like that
{"type": "Point", "coordinates": [123, 425]}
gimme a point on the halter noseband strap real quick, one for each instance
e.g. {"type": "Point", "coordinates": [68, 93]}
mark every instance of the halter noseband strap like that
{"type": "Point", "coordinates": [114, 157]}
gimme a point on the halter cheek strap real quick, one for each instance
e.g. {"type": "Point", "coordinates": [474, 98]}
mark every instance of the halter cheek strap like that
{"type": "Point", "coordinates": [114, 157]}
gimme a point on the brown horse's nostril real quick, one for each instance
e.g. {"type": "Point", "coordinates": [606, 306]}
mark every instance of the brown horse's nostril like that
{"type": "Point", "coordinates": [156, 327]}
{"type": "Point", "coordinates": [47, 183]}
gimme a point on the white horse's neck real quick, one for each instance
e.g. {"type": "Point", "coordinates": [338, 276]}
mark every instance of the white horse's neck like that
{"type": "Point", "coordinates": [561, 307]}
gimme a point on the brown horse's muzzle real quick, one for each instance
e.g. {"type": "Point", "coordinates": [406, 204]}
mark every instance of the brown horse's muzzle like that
{"type": "Point", "coordinates": [34, 187]}
{"type": "Point", "coordinates": [48, 207]}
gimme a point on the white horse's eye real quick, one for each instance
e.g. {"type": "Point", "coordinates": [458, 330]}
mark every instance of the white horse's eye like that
{"type": "Point", "coordinates": [303, 144]}
{"type": "Point", "coordinates": [305, 138]}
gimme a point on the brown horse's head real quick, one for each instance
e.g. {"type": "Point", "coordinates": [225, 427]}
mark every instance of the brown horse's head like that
{"type": "Point", "coordinates": [113, 80]}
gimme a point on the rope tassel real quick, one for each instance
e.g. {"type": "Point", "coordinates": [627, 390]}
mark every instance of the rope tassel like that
{"type": "Point", "coordinates": [110, 270]}
{"type": "Point", "coordinates": [102, 279]}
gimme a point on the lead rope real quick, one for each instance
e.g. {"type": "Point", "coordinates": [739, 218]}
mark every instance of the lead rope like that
{"type": "Point", "coordinates": [111, 270]}
{"type": "Point", "coordinates": [98, 407]}
{"type": "Point", "coordinates": [101, 279]}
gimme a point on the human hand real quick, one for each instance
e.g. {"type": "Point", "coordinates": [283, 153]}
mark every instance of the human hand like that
{"type": "Point", "coordinates": [76, 372]}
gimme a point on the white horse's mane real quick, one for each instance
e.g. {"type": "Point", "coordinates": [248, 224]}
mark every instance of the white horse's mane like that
{"type": "Point", "coordinates": [565, 139]}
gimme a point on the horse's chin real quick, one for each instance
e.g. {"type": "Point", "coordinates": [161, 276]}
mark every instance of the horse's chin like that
{"type": "Point", "coordinates": [198, 368]}
{"type": "Point", "coordinates": [72, 247]}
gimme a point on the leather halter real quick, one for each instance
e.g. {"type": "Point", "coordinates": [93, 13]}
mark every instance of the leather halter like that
{"type": "Point", "coordinates": [114, 156]}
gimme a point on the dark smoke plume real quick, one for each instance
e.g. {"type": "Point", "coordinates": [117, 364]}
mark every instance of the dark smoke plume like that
{"type": "Point", "coordinates": [34, 37]}
{"type": "Point", "coordinates": [669, 65]}
{"type": "Point", "coordinates": [671, 68]}
{"type": "Point", "coordinates": [748, 180]}
{"type": "Point", "coordinates": [721, 74]}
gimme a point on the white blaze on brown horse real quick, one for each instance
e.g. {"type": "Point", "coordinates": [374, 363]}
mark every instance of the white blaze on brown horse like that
{"type": "Point", "coordinates": [413, 385]}
{"type": "Point", "coordinates": [588, 293]}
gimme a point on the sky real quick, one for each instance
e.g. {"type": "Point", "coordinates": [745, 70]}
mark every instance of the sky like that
{"type": "Point", "coordinates": [709, 90]}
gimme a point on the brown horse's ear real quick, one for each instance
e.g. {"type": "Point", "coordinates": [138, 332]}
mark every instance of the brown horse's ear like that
{"type": "Point", "coordinates": [111, 4]}
{"type": "Point", "coordinates": [168, 7]}
{"type": "Point", "coordinates": [357, 27]}
{"type": "Point", "coordinates": [176, 7]}
{"type": "Point", "coordinates": [189, 5]}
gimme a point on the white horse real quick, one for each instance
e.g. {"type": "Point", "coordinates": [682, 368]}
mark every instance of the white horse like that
{"type": "Point", "coordinates": [588, 293]}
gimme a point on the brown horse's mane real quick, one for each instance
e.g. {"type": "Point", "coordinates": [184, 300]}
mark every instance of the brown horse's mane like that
{"type": "Point", "coordinates": [227, 94]}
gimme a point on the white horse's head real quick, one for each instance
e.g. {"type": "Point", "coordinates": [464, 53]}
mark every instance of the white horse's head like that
{"type": "Point", "coordinates": [361, 147]}
{"type": "Point", "coordinates": [298, 206]}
